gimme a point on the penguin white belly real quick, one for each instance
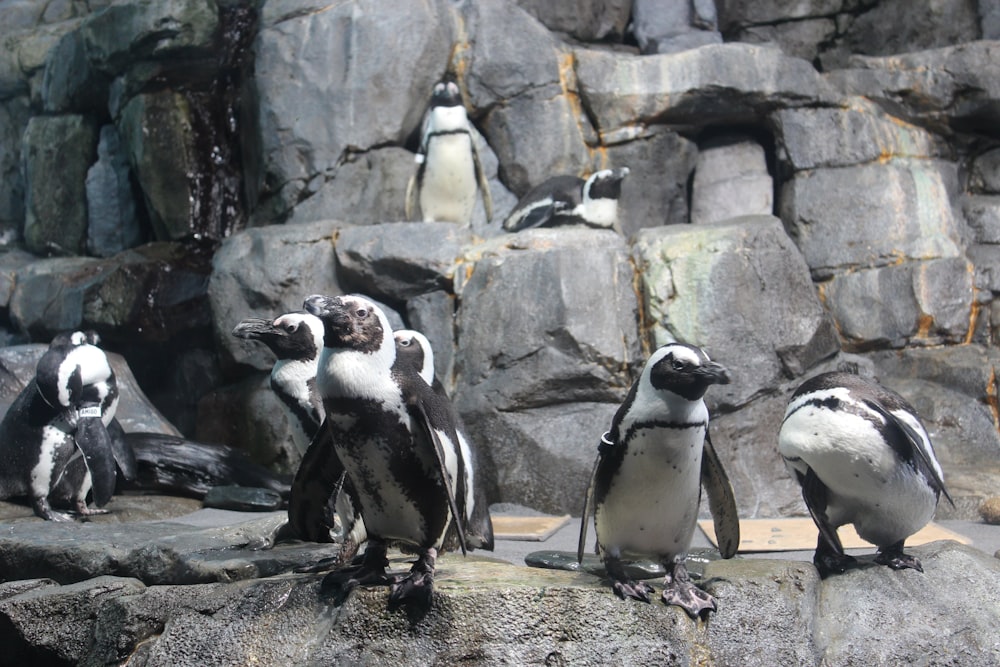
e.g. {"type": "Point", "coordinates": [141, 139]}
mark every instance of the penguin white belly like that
{"type": "Point", "coordinates": [884, 497]}
{"type": "Point", "coordinates": [652, 504]}
{"type": "Point", "coordinates": [449, 186]}
{"type": "Point", "coordinates": [52, 454]}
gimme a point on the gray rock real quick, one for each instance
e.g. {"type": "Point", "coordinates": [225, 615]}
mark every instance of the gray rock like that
{"type": "Point", "coordinates": [989, 18]}
{"type": "Point", "coordinates": [266, 271]}
{"type": "Point", "coordinates": [587, 20]}
{"type": "Point", "coordinates": [917, 303]}
{"type": "Point", "coordinates": [49, 294]}
{"type": "Point", "coordinates": [903, 26]}
{"type": "Point", "coordinates": [655, 192]}
{"type": "Point", "coordinates": [14, 114]}
{"type": "Point", "coordinates": [765, 327]}
{"type": "Point", "coordinates": [712, 84]}
{"type": "Point", "coordinates": [984, 176]}
{"type": "Point", "coordinates": [57, 151]}
{"type": "Point", "coordinates": [986, 259]}
{"type": "Point", "coordinates": [731, 180]}
{"type": "Point", "coordinates": [799, 39]}
{"type": "Point", "coordinates": [858, 132]}
{"type": "Point", "coordinates": [433, 314]}
{"type": "Point", "coordinates": [112, 223]}
{"type": "Point", "coordinates": [307, 120]}
{"type": "Point", "coordinates": [396, 261]}
{"type": "Point", "coordinates": [242, 499]}
{"type": "Point", "coordinates": [661, 27]}
{"type": "Point", "coordinates": [12, 260]}
{"type": "Point", "coordinates": [871, 215]}
{"type": "Point", "coordinates": [156, 130]}
{"type": "Point", "coordinates": [735, 14]}
{"type": "Point", "coordinates": [71, 82]}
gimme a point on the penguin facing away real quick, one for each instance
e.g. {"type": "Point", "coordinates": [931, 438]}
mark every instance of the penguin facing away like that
{"type": "Point", "coordinates": [862, 457]}
{"type": "Point", "coordinates": [449, 174]}
{"type": "Point", "coordinates": [393, 439]}
{"type": "Point", "coordinates": [59, 442]}
{"type": "Point", "coordinates": [567, 200]}
{"type": "Point", "coordinates": [651, 466]}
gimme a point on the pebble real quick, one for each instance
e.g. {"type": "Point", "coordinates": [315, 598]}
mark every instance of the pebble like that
{"type": "Point", "coordinates": [989, 509]}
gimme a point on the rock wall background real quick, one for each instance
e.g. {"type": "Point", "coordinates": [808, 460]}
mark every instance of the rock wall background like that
{"type": "Point", "coordinates": [810, 187]}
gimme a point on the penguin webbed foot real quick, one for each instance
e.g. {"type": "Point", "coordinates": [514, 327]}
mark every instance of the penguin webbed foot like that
{"type": "Point", "coordinates": [348, 552]}
{"type": "Point", "coordinates": [44, 510]}
{"type": "Point", "coordinates": [680, 591]}
{"type": "Point", "coordinates": [84, 511]}
{"type": "Point", "coordinates": [371, 572]}
{"type": "Point", "coordinates": [416, 588]}
{"type": "Point", "coordinates": [894, 557]}
{"type": "Point", "coordinates": [629, 588]}
{"type": "Point", "coordinates": [829, 560]}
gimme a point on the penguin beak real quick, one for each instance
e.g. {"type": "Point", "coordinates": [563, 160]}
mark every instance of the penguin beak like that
{"type": "Point", "coordinates": [255, 328]}
{"type": "Point", "coordinates": [715, 373]}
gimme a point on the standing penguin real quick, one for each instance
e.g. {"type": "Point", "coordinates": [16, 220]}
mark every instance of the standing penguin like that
{"type": "Point", "coordinates": [647, 480]}
{"type": "Point", "coordinates": [395, 442]}
{"type": "Point", "coordinates": [449, 174]}
{"type": "Point", "coordinates": [569, 200]}
{"type": "Point", "coordinates": [862, 456]}
{"type": "Point", "coordinates": [296, 339]}
{"type": "Point", "coordinates": [55, 444]}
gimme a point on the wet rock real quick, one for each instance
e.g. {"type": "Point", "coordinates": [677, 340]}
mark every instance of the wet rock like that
{"type": "Point", "coordinates": [71, 82]}
{"type": "Point", "coordinates": [14, 114]}
{"type": "Point", "coordinates": [112, 220]}
{"type": "Point", "coordinates": [57, 151]}
{"type": "Point", "coordinates": [242, 499]}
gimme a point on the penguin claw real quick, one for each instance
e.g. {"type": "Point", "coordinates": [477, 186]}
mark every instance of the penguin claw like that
{"type": "Point", "coordinates": [897, 560]}
{"type": "Point", "coordinates": [637, 590]}
{"type": "Point", "coordinates": [45, 511]}
{"type": "Point", "coordinates": [833, 563]}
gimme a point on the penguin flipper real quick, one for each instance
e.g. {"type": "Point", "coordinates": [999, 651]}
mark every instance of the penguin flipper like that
{"type": "Point", "coordinates": [721, 500]}
{"type": "Point", "coordinates": [537, 214]}
{"type": "Point", "coordinates": [588, 498]}
{"type": "Point", "coordinates": [434, 436]}
{"type": "Point", "coordinates": [814, 493]}
{"type": "Point", "coordinates": [95, 443]}
{"type": "Point", "coordinates": [122, 451]}
{"type": "Point", "coordinates": [920, 458]}
{"type": "Point", "coordinates": [318, 479]}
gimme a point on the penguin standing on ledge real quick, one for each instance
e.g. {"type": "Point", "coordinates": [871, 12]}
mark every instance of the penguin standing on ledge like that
{"type": "Point", "coordinates": [396, 444]}
{"type": "Point", "coordinates": [449, 175]}
{"type": "Point", "coordinates": [55, 442]}
{"type": "Point", "coordinates": [862, 456]}
{"type": "Point", "coordinates": [651, 466]}
{"type": "Point", "coordinates": [569, 200]}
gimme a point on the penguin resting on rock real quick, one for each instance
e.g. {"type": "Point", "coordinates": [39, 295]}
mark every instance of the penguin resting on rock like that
{"type": "Point", "coordinates": [647, 480]}
{"type": "Point", "coordinates": [59, 442]}
{"type": "Point", "coordinates": [863, 457]}
{"type": "Point", "coordinates": [449, 175]}
{"type": "Point", "coordinates": [569, 200]}
{"type": "Point", "coordinates": [390, 434]}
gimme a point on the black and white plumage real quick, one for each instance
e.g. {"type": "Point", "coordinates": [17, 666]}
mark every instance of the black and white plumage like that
{"type": "Point", "coordinates": [296, 340]}
{"type": "Point", "coordinates": [392, 438]}
{"type": "Point", "coordinates": [450, 175]}
{"type": "Point", "coordinates": [862, 457]}
{"type": "Point", "coordinates": [649, 473]}
{"type": "Point", "coordinates": [570, 200]}
{"type": "Point", "coordinates": [59, 442]}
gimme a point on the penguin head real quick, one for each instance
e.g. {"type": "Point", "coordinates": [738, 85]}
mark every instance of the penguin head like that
{"type": "Point", "coordinates": [292, 336]}
{"type": "Point", "coordinates": [684, 370]}
{"type": "Point", "coordinates": [605, 184]}
{"type": "Point", "coordinates": [413, 351]}
{"type": "Point", "coordinates": [351, 322]}
{"type": "Point", "coordinates": [446, 94]}
{"type": "Point", "coordinates": [75, 339]}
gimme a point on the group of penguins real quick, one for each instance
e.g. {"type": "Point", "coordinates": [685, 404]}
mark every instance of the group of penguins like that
{"type": "Point", "coordinates": [387, 461]}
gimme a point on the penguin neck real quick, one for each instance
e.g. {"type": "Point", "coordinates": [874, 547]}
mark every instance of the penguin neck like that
{"type": "Point", "coordinates": [449, 119]}
{"type": "Point", "coordinates": [602, 212]}
{"type": "Point", "coordinates": [349, 373]}
{"type": "Point", "coordinates": [292, 376]}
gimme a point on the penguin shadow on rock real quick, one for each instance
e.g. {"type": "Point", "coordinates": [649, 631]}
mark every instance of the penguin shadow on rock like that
{"type": "Point", "coordinates": [570, 200]}
{"type": "Point", "coordinates": [390, 454]}
{"type": "Point", "coordinates": [647, 480]}
{"type": "Point", "coordinates": [59, 440]}
{"type": "Point", "coordinates": [862, 456]}
{"type": "Point", "coordinates": [449, 174]}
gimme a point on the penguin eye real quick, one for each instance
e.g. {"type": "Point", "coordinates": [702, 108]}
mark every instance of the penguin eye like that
{"type": "Point", "coordinates": [361, 312]}
{"type": "Point", "coordinates": [290, 328]}
{"type": "Point", "coordinates": [405, 342]}
{"type": "Point", "coordinates": [676, 364]}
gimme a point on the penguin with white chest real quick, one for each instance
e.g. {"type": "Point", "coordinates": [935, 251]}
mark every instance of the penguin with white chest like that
{"type": "Point", "coordinates": [394, 441]}
{"type": "Point", "coordinates": [55, 442]}
{"type": "Point", "coordinates": [862, 457]}
{"type": "Point", "coordinates": [449, 176]}
{"type": "Point", "coordinates": [570, 200]}
{"type": "Point", "coordinates": [650, 469]}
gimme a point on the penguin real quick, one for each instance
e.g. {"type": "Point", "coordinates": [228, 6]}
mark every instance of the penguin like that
{"type": "Point", "coordinates": [415, 356]}
{"type": "Point", "coordinates": [395, 442]}
{"type": "Point", "coordinates": [647, 480]}
{"type": "Point", "coordinates": [59, 441]}
{"type": "Point", "coordinates": [568, 200]}
{"type": "Point", "coordinates": [445, 184]}
{"type": "Point", "coordinates": [862, 457]}
{"type": "Point", "coordinates": [296, 339]}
